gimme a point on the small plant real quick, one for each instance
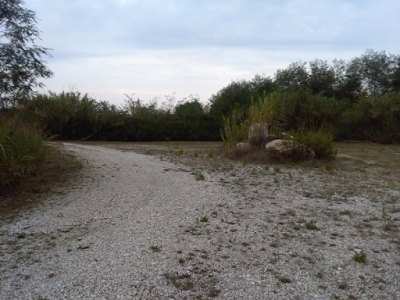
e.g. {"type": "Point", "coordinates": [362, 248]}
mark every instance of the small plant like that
{"type": "Point", "coordinates": [196, 154]}
{"type": "Point", "coordinates": [284, 280]}
{"type": "Point", "coordinates": [345, 213]}
{"type": "Point", "coordinates": [274, 244]}
{"type": "Point", "coordinates": [311, 225]}
{"type": "Point", "coordinates": [198, 175]}
{"type": "Point", "coordinates": [245, 161]}
{"type": "Point", "coordinates": [387, 220]}
{"type": "Point", "coordinates": [204, 219]}
{"type": "Point", "coordinates": [179, 152]}
{"type": "Point", "coordinates": [360, 257]}
{"type": "Point", "coordinates": [210, 153]}
{"type": "Point", "coordinates": [330, 168]}
{"type": "Point", "coordinates": [155, 249]}
{"type": "Point", "coordinates": [277, 170]}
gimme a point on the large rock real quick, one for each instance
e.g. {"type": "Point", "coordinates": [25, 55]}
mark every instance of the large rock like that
{"type": "Point", "coordinates": [290, 149]}
{"type": "Point", "coordinates": [242, 147]}
{"type": "Point", "coordinates": [258, 134]}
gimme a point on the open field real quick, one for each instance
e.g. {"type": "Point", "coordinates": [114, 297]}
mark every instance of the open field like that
{"type": "Point", "coordinates": [210, 227]}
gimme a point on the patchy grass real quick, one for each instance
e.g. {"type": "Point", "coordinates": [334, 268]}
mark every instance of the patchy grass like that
{"type": "Point", "coordinates": [58, 169]}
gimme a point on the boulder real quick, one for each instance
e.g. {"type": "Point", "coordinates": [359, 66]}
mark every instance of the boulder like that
{"type": "Point", "coordinates": [280, 146]}
{"type": "Point", "coordinates": [258, 134]}
{"type": "Point", "coordinates": [242, 147]}
{"type": "Point", "coordinates": [290, 149]}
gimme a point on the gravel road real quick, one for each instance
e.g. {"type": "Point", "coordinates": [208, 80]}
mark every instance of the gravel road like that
{"type": "Point", "coordinates": [137, 227]}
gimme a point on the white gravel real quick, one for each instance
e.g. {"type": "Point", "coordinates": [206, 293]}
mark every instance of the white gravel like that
{"type": "Point", "coordinates": [133, 228]}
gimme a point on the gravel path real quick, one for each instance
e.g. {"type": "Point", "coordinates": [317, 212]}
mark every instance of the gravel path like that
{"type": "Point", "coordinates": [137, 227]}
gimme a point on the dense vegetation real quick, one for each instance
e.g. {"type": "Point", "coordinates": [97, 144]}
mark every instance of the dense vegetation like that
{"type": "Point", "coordinates": [21, 67]}
{"type": "Point", "coordinates": [359, 99]}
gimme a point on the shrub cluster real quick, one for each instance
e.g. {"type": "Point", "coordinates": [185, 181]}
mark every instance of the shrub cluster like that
{"type": "Point", "coordinates": [20, 149]}
{"type": "Point", "coordinates": [70, 115]}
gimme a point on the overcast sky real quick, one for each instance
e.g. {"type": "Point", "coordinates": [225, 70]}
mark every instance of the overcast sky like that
{"type": "Point", "coordinates": [108, 48]}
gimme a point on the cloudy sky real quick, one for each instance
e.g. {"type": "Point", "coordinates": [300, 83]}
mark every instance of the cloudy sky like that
{"type": "Point", "coordinates": [153, 48]}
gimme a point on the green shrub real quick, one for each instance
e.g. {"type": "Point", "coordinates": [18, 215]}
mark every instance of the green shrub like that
{"type": "Point", "coordinates": [321, 141]}
{"type": "Point", "coordinates": [20, 150]}
{"type": "Point", "coordinates": [233, 131]}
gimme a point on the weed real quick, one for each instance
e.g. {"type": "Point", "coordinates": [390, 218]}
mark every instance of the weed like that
{"type": "Point", "coordinates": [155, 249]}
{"type": "Point", "coordinates": [204, 219]}
{"type": "Point", "coordinates": [360, 257]}
{"type": "Point", "coordinates": [387, 220]}
{"type": "Point", "coordinates": [277, 170]}
{"type": "Point", "coordinates": [329, 168]}
{"type": "Point", "coordinates": [245, 161]}
{"type": "Point", "coordinates": [196, 154]}
{"type": "Point", "coordinates": [210, 153]}
{"type": "Point", "coordinates": [214, 292]}
{"type": "Point", "coordinates": [179, 152]}
{"type": "Point", "coordinates": [345, 212]}
{"type": "Point", "coordinates": [311, 225]}
{"type": "Point", "coordinates": [304, 164]}
{"type": "Point", "coordinates": [285, 280]}
{"type": "Point", "coordinates": [274, 244]}
{"type": "Point", "coordinates": [198, 175]}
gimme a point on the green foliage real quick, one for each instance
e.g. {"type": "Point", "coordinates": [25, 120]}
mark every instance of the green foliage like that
{"type": "Point", "coordinates": [329, 168]}
{"type": "Point", "coordinates": [198, 175]}
{"type": "Point", "coordinates": [20, 150]}
{"type": "Point", "coordinates": [311, 225]}
{"type": "Point", "coordinates": [234, 130]}
{"type": "Point", "coordinates": [70, 115]}
{"type": "Point", "coordinates": [360, 257]}
{"type": "Point", "coordinates": [189, 109]}
{"type": "Point", "coordinates": [155, 249]}
{"type": "Point", "coordinates": [204, 219]}
{"type": "Point", "coordinates": [234, 97]}
{"type": "Point", "coordinates": [375, 118]}
{"type": "Point", "coordinates": [21, 65]}
{"type": "Point", "coordinates": [387, 220]}
{"type": "Point", "coordinates": [321, 141]}
{"type": "Point", "coordinates": [315, 103]}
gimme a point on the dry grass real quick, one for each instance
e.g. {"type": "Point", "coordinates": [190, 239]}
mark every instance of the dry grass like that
{"type": "Point", "coordinates": [57, 169]}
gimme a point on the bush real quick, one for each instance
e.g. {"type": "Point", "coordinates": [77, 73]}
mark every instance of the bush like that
{"type": "Point", "coordinates": [19, 152]}
{"type": "Point", "coordinates": [321, 141]}
{"type": "Point", "coordinates": [376, 119]}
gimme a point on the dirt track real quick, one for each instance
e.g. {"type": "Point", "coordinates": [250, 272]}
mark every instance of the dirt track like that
{"type": "Point", "coordinates": [134, 227]}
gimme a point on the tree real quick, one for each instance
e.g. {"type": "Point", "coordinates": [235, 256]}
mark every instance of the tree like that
{"type": "Point", "coordinates": [236, 96]}
{"type": "Point", "coordinates": [322, 77]}
{"type": "Point", "coordinates": [189, 109]}
{"type": "Point", "coordinates": [21, 64]}
{"type": "Point", "coordinates": [293, 77]}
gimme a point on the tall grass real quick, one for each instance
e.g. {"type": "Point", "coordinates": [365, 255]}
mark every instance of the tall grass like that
{"type": "Point", "coordinates": [234, 130]}
{"type": "Point", "coordinates": [320, 140]}
{"type": "Point", "coordinates": [20, 150]}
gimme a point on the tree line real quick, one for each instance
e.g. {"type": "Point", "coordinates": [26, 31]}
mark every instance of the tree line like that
{"type": "Point", "coordinates": [358, 99]}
